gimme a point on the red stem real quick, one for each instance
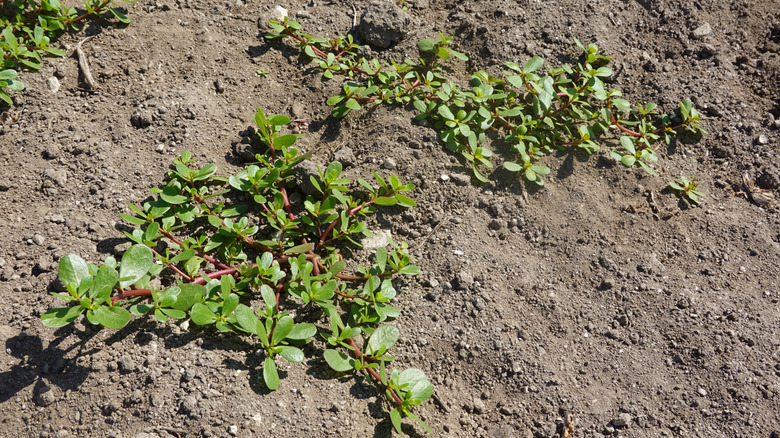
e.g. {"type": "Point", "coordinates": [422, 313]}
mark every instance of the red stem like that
{"type": "Point", "coordinates": [203, 255]}
{"type": "Point", "coordinates": [333, 224]}
{"type": "Point", "coordinates": [130, 293]}
{"type": "Point", "coordinates": [170, 265]}
{"type": "Point", "coordinates": [356, 352]}
{"type": "Point", "coordinates": [87, 14]}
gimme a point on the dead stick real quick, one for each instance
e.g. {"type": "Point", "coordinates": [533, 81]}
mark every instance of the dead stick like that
{"type": "Point", "coordinates": [84, 66]}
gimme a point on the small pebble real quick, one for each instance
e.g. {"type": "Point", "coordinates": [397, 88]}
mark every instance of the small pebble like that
{"type": "Point", "coordinates": [460, 179]}
{"type": "Point", "coordinates": [160, 148]}
{"type": "Point", "coordinates": [45, 396]}
{"type": "Point", "coordinates": [219, 85]}
{"type": "Point", "coordinates": [53, 177]}
{"type": "Point", "coordinates": [345, 156]}
{"type": "Point", "coordinates": [763, 139]}
{"type": "Point", "coordinates": [445, 178]}
{"type": "Point", "coordinates": [479, 406]}
{"type": "Point", "coordinates": [622, 420]}
{"type": "Point", "coordinates": [54, 84]}
{"type": "Point", "coordinates": [60, 71]}
{"type": "Point", "coordinates": [702, 31]}
{"type": "Point", "coordinates": [389, 163]}
{"type": "Point", "coordinates": [156, 400]}
{"type": "Point", "coordinates": [52, 152]}
{"type": "Point", "coordinates": [126, 364]}
{"type": "Point", "coordinates": [278, 13]}
{"type": "Point", "coordinates": [463, 280]}
{"type": "Point", "coordinates": [188, 405]}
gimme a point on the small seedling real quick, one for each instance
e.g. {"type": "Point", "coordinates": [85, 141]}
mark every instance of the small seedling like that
{"type": "Point", "coordinates": [686, 188]}
{"type": "Point", "coordinates": [261, 72]}
{"type": "Point", "coordinates": [259, 268]}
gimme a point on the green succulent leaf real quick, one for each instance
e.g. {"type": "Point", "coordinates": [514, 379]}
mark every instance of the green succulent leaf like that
{"type": "Point", "coordinates": [202, 315]}
{"type": "Point", "coordinates": [112, 317]}
{"type": "Point", "coordinates": [61, 316]}
{"type": "Point", "coordinates": [302, 332]}
{"type": "Point", "coordinates": [384, 336]}
{"type": "Point", "coordinates": [188, 296]}
{"type": "Point", "coordinates": [338, 361]}
{"type": "Point", "coordinates": [292, 354]}
{"type": "Point", "coordinates": [533, 64]}
{"type": "Point", "coordinates": [135, 265]}
{"type": "Point", "coordinates": [283, 328]}
{"type": "Point", "coordinates": [270, 375]}
{"type": "Point", "coordinates": [246, 318]}
{"type": "Point", "coordinates": [72, 270]}
{"type": "Point", "coordinates": [395, 419]}
{"type": "Point", "coordinates": [415, 382]}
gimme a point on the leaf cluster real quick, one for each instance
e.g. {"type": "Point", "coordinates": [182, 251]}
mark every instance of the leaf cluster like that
{"type": "Point", "coordinates": [687, 188]}
{"type": "Point", "coordinates": [259, 267]}
{"type": "Point", "coordinates": [27, 31]}
{"type": "Point", "coordinates": [534, 111]}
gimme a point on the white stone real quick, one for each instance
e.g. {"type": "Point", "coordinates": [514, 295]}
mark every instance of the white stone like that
{"type": "Point", "coordinates": [278, 13]}
{"type": "Point", "coordinates": [380, 239]}
{"type": "Point", "coordinates": [53, 83]}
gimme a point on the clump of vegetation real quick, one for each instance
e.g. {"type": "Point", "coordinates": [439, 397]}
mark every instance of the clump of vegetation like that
{"type": "Point", "coordinates": [28, 29]}
{"type": "Point", "coordinates": [535, 113]}
{"type": "Point", "coordinates": [236, 254]}
{"type": "Point", "coordinates": [260, 268]}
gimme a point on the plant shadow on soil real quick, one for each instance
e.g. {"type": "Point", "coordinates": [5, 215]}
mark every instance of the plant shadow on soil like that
{"type": "Point", "coordinates": [50, 366]}
{"type": "Point", "coordinates": [20, 376]}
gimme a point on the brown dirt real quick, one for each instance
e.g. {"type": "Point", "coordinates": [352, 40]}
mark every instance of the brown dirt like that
{"type": "Point", "coordinates": [587, 302]}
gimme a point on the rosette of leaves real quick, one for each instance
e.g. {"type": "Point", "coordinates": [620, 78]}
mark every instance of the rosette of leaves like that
{"type": "Point", "coordinates": [687, 188]}
{"type": "Point", "coordinates": [258, 267]}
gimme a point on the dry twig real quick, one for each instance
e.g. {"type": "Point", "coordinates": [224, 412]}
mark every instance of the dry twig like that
{"type": "Point", "coordinates": [84, 66]}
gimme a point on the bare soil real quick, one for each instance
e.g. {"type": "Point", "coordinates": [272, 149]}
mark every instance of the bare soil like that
{"type": "Point", "coordinates": [600, 300]}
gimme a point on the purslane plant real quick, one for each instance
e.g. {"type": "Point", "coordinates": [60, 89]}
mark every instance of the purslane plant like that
{"type": "Point", "coordinates": [26, 32]}
{"type": "Point", "coordinates": [259, 268]}
{"type": "Point", "coordinates": [534, 113]}
{"type": "Point", "coordinates": [687, 188]}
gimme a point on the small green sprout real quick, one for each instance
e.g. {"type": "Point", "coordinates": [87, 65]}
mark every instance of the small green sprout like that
{"type": "Point", "coordinates": [686, 188]}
